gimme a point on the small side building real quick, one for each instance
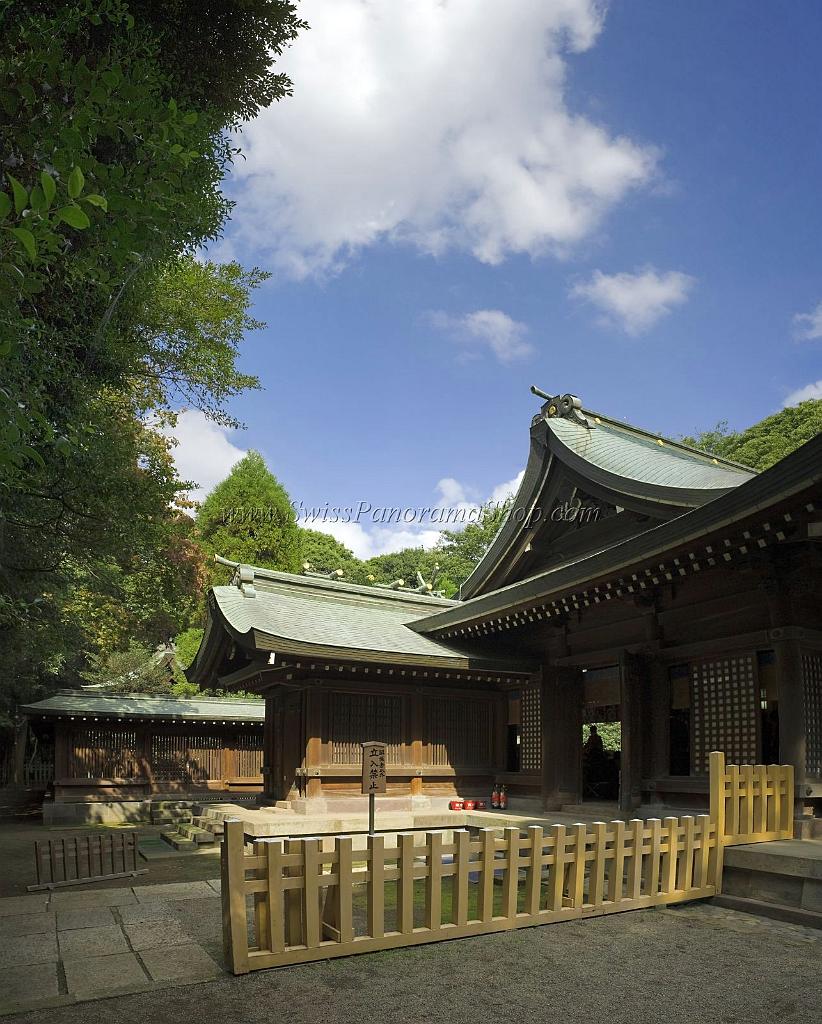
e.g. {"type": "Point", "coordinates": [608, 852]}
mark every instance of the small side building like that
{"type": "Point", "coordinates": [113, 754]}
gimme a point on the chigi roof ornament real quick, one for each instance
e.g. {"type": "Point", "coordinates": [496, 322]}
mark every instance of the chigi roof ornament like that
{"type": "Point", "coordinates": [567, 406]}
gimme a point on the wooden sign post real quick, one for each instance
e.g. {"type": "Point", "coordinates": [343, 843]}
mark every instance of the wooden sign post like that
{"type": "Point", "coordinates": [373, 776]}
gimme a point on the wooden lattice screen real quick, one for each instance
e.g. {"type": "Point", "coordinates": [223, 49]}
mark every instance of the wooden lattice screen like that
{"type": "Point", "coordinates": [812, 679]}
{"type": "Point", "coordinates": [725, 710]}
{"type": "Point", "coordinates": [103, 753]}
{"type": "Point", "coordinates": [530, 753]}
{"type": "Point", "coordinates": [248, 755]}
{"type": "Point", "coordinates": [458, 732]}
{"type": "Point", "coordinates": [357, 715]}
{"type": "Point", "coordinates": [186, 757]}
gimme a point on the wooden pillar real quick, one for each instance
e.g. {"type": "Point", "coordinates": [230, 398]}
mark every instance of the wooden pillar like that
{"type": "Point", "coordinates": [314, 700]}
{"type": "Point", "coordinates": [500, 727]}
{"type": "Point", "coordinates": [561, 701]}
{"type": "Point", "coordinates": [21, 733]}
{"type": "Point", "coordinates": [789, 677]}
{"type": "Point", "coordinates": [416, 720]}
{"type": "Point", "coordinates": [143, 754]}
{"type": "Point", "coordinates": [269, 729]}
{"type": "Point", "coordinates": [792, 725]}
{"type": "Point", "coordinates": [632, 671]}
{"type": "Point", "coordinates": [656, 722]}
{"type": "Point", "coordinates": [62, 741]}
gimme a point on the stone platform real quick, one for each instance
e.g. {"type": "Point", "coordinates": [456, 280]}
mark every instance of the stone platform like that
{"type": "Point", "coordinates": [782, 880]}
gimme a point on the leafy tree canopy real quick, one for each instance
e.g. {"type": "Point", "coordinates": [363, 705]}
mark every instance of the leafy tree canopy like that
{"type": "Point", "coordinates": [248, 518]}
{"type": "Point", "coordinates": [325, 553]}
{"type": "Point", "coordinates": [114, 131]}
{"type": "Point", "coordinates": [767, 441]}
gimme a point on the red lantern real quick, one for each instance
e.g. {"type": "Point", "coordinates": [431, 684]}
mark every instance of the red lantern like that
{"type": "Point", "coordinates": [456, 805]}
{"type": "Point", "coordinates": [495, 797]}
{"type": "Point", "coordinates": [470, 805]}
{"type": "Point", "coordinates": [503, 799]}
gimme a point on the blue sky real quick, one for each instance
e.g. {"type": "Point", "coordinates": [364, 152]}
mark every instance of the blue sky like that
{"type": "Point", "coordinates": [624, 205]}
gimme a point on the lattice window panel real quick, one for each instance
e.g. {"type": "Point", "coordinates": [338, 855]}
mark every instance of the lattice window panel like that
{"type": "Point", "coordinates": [186, 757]}
{"type": "Point", "coordinates": [812, 679]}
{"type": "Point", "coordinates": [356, 718]}
{"type": "Point", "coordinates": [248, 755]}
{"type": "Point", "coordinates": [725, 710]}
{"type": "Point", "coordinates": [530, 750]}
{"type": "Point", "coordinates": [103, 753]}
{"type": "Point", "coordinates": [458, 732]}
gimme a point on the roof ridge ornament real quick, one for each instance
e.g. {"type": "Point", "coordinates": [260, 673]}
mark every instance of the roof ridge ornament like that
{"type": "Point", "coordinates": [245, 580]}
{"type": "Point", "coordinates": [566, 406]}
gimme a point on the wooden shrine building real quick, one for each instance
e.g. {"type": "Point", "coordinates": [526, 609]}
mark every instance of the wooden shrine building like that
{"type": "Point", "coordinates": [635, 580]}
{"type": "Point", "coordinates": [112, 754]}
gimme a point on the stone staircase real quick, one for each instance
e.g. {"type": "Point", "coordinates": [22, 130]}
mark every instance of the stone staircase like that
{"type": "Point", "coordinates": [180, 828]}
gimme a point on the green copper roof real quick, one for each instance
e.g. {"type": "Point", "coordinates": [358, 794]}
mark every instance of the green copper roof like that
{"type": "Point", "coordinates": [83, 705]}
{"type": "Point", "coordinates": [634, 456]}
{"type": "Point", "coordinates": [334, 620]}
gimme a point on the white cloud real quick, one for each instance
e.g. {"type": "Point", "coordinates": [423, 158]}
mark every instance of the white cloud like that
{"type": "Point", "coordinates": [366, 542]}
{"type": "Point", "coordinates": [440, 125]}
{"type": "Point", "coordinates": [635, 302]}
{"type": "Point", "coordinates": [808, 326]}
{"type": "Point", "coordinates": [803, 394]}
{"type": "Point", "coordinates": [203, 452]}
{"type": "Point", "coordinates": [503, 335]}
{"type": "Point", "coordinates": [367, 539]}
{"type": "Point", "coordinates": [507, 490]}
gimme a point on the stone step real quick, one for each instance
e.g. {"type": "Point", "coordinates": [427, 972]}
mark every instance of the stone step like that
{"type": "Point", "coordinates": [171, 805]}
{"type": "Point", "coordinates": [201, 836]}
{"type": "Point", "coordinates": [773, 911]}
{"type": "Point", "coordinates": [178, 841]}
{"type": "Point", "coordinates": [169, 818]}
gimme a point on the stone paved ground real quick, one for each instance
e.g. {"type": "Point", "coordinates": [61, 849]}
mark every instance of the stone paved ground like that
{"type": "Point", "coordinates": [66, 947]}
{"type": "Point", "coordinates": [691, 964]}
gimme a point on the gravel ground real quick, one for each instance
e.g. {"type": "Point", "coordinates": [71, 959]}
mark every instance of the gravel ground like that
{"type": "Point", "coordinates": [695, 963]}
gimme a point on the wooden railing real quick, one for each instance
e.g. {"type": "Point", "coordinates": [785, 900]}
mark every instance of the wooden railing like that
{"type": "Point", "coordinates": [752, 803]}
{"type": "Point", "coordinates": [71, 860]}
{"type": "Point", "coordinates": [306, 903]}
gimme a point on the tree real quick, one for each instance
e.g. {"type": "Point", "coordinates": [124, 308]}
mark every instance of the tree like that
{"type": "Point", "coordinates": [767, 441]}
{"type": "Point", "coordinates": [186, 645]}
{"type": "Point", "coordinates": [248, 518]}
{"type": "Point", "coordinates": [460, 551]}
{"type": "Point", "coordinates": [325, 553]}
{"type": "Point", "coordinates": [114, 129]}
{"type": "Point", "coordinates": [137, 669]}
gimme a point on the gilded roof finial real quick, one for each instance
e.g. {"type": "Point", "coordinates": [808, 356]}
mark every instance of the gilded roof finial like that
{"type": "Point", "coordinates": [567, 406]}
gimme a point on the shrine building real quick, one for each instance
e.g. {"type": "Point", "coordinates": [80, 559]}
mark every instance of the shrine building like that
{"type": "Point", "coordinates": [636, 581]}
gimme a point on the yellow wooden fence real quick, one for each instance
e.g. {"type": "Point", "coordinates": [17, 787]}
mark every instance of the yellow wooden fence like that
{"type": "Point", "coordinates": [302, 903]}
{"type": "Point", "coordinates": [752, 803]}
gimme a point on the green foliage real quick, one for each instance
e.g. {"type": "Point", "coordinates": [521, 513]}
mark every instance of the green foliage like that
{"type": "Point", "coordinates": [134, 670]}
{"type": "Point", "coordinates": [114, 122]}
{"type": "Point", "coordinates": [248, 518]}
{"type": "Point", "coordinates": [610, 732]}
{"type": "Point", "coordinates": [186, 645]}
{"type": "Point", "coordinates": [192, 327]}
{"type": "Point", "coordinates": [767, 441]}
{"type": "Point", "coordinates": [325, 553]}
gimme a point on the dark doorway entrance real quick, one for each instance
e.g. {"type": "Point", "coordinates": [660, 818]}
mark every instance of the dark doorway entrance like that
{"type": "Point", "coordinates": [602, 733]}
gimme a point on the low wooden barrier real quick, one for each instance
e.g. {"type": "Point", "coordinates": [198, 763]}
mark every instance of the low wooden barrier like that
{"type": "Point", "coordinates": [71, 860]}
{"type": "Point", "coordinates": [752, 802]}
{"type": "Point", "coordinates": [308, 904]}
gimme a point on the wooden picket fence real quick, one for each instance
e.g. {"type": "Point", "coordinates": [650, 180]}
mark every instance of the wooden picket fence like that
{"type": "Point", "coordinates": [303, 903]}
{"type": "Point", "coordinates": [71, 860]}
{"type": "Point", "coordinates": [752, 803]}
